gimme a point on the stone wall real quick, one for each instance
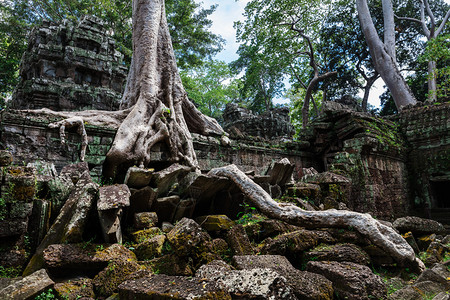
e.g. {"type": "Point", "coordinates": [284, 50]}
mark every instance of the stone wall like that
{"type": "Point", "coordinates": [426, 130]}
{"type": "Point", "coordinates": [70, 66]}
{"type": "Point", "coordinates": [28, 138]}
{"type": "Point", "coordinates": [370, 152]}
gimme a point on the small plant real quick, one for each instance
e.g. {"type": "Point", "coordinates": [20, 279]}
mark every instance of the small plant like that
{"type": "Point", "coordinates": [47, 295]}
{"type": "Point", "coordinates": [10, 272]}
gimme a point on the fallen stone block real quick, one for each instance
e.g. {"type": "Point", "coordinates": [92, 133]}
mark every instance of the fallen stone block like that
{"type": "Point", "coordinates": [215, 222]}
{"type": "Point", "coordinates": [110, 224]}
{"type": "Point", "coordinates": [281, 172]}
{"type": "Point", "coordinates": [350, 280]}
{"type": "Point", "coordinates": [239, 242]}
{"type": "Point", "coordinates": [418, 226]}
{"type": "Point", "coordinates": [145, 220]}
{"type": "Point", "coordinates": [338, 252]}
{"type": "Point", "coordinates": [113, 196]}
{"type": "Point", "coordinates": [138, 177]}
{"type": "Point", "coordinates": [83, 258]}
{"type": "Point", "coordinates": [170, 287]}
{"type": "Point", "coordinates": [164, 179]}
{"type": "Point", "coordinates": [186, 236]}
{"type": "Point", "coordinates": [75, 288]}
{"type": "Point", "coordinates": [151, 248]}
{"type": "Point", "coordinates": [165, 207]}
{"type": "Point", "coordinates": [142, 200]}
{"type": "Point", "coordinates": [28, 287]}
{"type": "Point", "coordinates": [6, 158]}
{"type": "Point", "coordinates": [185, 209]}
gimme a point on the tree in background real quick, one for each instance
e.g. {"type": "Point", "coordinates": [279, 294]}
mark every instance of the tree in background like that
{"type": "Point", "coordinates": [433, 25]}
{"type": "Point", "coordinates": [188, 24]}
{"type": "Point", "coordinates": [278, 43]}
{"type": "Point", "coordinates": [211, 86]}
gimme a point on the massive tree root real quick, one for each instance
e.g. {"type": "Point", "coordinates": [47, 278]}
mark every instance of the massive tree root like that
{"type": "Point", "coordinates": [155, 106]}
{"type": "Point", "coordinates": [379, 234]}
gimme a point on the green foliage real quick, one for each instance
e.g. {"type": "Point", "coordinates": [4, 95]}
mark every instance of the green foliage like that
{"type": "Point", "coordinates": [188, 22]}
{"type": "Point", "coordinates": [272, 51]}
{"type": "Point", "coordinates": [46, 295]}
{"type": "Point", "coordinates": [211, 87]}
{"type": "Point", "coordinates": [438, 50]}
{"type": "Point", "coordinates": [10, 272]}
{"type": "Point", "coordinates": [3, 209]}
{"type": "Point", "coordinates": [249, 215]}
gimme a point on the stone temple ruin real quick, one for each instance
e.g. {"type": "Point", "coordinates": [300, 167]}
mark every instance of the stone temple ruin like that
{"type": "Point", "coordinates": [71, 67]}
{"type": "Point", "coordinates": [56, 219]}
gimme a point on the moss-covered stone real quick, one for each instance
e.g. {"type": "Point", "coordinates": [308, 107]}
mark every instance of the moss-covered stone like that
{"type": "Point", "coordinates": [74, 289]}
{"type": "Point", "coordinates": [145, 234]}
{"type": "Point", "coordinates": [150, 248]}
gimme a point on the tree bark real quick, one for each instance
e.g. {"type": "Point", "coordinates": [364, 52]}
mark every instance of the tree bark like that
{"type": "Point", "coordinates": [381, 235]}
{"type": "Point", "coordinates": [155, 107]}
{"type": "Point", "coordinates": [384, 63]}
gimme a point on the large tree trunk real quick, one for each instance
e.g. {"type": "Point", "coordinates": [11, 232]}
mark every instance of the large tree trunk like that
{"type": "Point", "coordinates": [155, 107]}
{"type": "Point", "coordinates": [384, 63]}
{"type": "Point", "coordinates": [381, 235]}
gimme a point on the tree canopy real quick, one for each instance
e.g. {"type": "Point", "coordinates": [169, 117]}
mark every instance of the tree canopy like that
{"type": "Point", "coordinates": [192, 40]}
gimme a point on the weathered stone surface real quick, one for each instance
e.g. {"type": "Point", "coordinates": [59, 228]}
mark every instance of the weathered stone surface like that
{"type": "Point", "coordinates": [142, 200]}
{"type": "Point", "coordinates": [378, 256]}
{"type": "Point", "coordinates": [281, 172]}
{"type": "Point", "coordinates": [145, 220]}
{"type": "Point", "coordinates": [220, 247]}
{"type": "Point", "coordinates": [165, 207]}
{"type": "Point", "coordinates": [150, 248]}
{"type": "Point", "coordinates": [411, 241]}
{"type": "Point", "coordinates": [239, 242]}
{"type": "Point", "coordinates": [325, 177]}
{"type": "Point", "coordinates": [70, 66]}
{"type": "Point", "coordinates": [306, 285]}
{"type": "Point", "coordinates": [6, 158]}
{"type": "Point", "coordinates": [430, 275]}
{"type": "Point", "coordinates": [425, 241]}
{"type": "Point", "coordinates": [110, 224]}
{"type": "Point", "coordinates": [215, 222]}
{"type": "Point", "coordinates": [27, 287]}
{"type": "Point", "coordinates": [186, 237]}
{"type": "Point", "coordinates": [248, 284]}
{"type": "Point", "coordinates": [170, 287]}
{"type": "Point", "coordinates": [145, 234]}
{"type": "Point", "coordinates": [442, 296]}
{"type": "Point", "coordinates": [13, 258]}
{"type": "Point", "coordinates": [406, 293]}
{"type": "Point", "coordinates": [138, 177]}
{"type": "Point", "coordinates": [268, 228]}
{"type": "Point", "coordinates": [74, 171]}
{"type": "Point", "coordinates": [164, 179]}
{"type": "Point", "coordinates": [167, 227]}
{"type": "Point", "coordinates": [70, 223]}
{"type": "Point", "coordinates": [185, 209]}
{"type": "Point", "coordinates": [272, 124]}
{"type": "Point", "coordinates": [338, 252]}
{"type": "Point", "coordinates": [296, 242]}
{"type": "Point", "coordinates": [170, 264]}
{"type": "Point", "coordinates": [10, 227]}
{"type": "Point", "coordinates": [113, 196]}
{"type": "Point", "coordinates": [350, 280]}
{"type": "Point", "coordinates": [107, 281]}
{"type": "Point", "coordinates": [19, 184]}
{"type": "Point", "coordinates": [418, 226]}
{"type": "Point", "coordinates": [74, 289]}
{"type": "Point", "coordinates": [69, 258]}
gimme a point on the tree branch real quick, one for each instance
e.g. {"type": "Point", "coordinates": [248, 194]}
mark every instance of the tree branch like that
{"type": "Point", "coordinates": [443, 23]}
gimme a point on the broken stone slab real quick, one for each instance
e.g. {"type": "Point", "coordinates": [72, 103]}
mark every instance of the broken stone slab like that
{"type": "Point", "coordinates": [306, 285]}
{"type": "Point", "coordinates": [150, 248]}
{"type": "Point", "coordinates": [107, 281]}
{"type": "Point", "coordinates": [20, 184]}
{"type": "Point", "coordinates": [83, 258]}
{"type": "Point", "coordinates": [28, 287]}
{"type": "Point", "coordinates": [145, 234]}
{"type": "Point", "coordinates": [170, 264]}
{"type": "Point", "coordinates": [6, 158]}
{"type": "Point", "coordinates": [145, 220]}
{"type": "Point", "coordinates": [418, 226]}
{"type": "Point", "coordinates": [138, 177]}
{"type": "Point", "coordinates": [204, 187]}
{"type": "Point", "coordinates": [171, 287]}
{"type": "Point", "coordinates": [70, 223]}
{"type": "Point", "coordinates": [185, 209]}
{"type": "Point", "coordinates": [75, 288]}
{"type": "Point", "coordinates": [248, 284]}
{"type": "Point", "coordinates": [281, 172]}
{"type": "Point", "coordinates": [215, 222]}
{"type": "Point", "coordinates": [74, 171]}
{"type": "Point", "coordinates": [110, 224]}
{"type": "Point", "coordinates": [142, 200]}
{"type": "Point", "coordinates": [238, 240]}
{"type": "Point", "coordinates": [166, 207]}
{"type": "Point", "coordinates": [338, 252]}
{"type": "Point", "coordinates": [350, 280]}
{"type": "Point", "coordinates": [113, 196]}
{"type": "Point", "coordinates": [186, 236]}
{"type": "Point", "coordinates": [13, 227]}
{"type": "Point", "coordinates": [296, 242]}
{"type": "Point", "coordinates": [326, 177]}
{"type": "Point", "coordinates": [268, 228]}
{"type": "Point", "coordinates": [166, 178]}
{"type": "Point", "coordinates": [166, 227]}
